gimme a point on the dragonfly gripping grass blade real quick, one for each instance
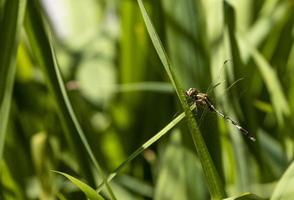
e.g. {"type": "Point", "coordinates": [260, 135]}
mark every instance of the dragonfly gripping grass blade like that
{"type": "Point", "coordinates": [202, 99]}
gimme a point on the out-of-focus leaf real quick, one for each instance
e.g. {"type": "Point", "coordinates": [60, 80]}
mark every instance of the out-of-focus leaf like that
{"type": "Point", "coordinates": [136, 185]}
{"type": "Point", "coordinates": [271, 81]}
{"type": "Point", "coordinates": [43, 50]}
{"type": "Point", "coordinates": [263, 106]}
{"type": "Point", "coordinates": [212, 177]}
{"type": "Point", "coordinates": [269, 17]}
{"type": "Point", "coordinates": [176, 172]}
{"type": "Point", "coordinates": [144, 146]}
{"type": "Point", "coordinates": [10, 190]}
{"type": "Point", "coordinates": [133, 55]}
{"type": "Point", "coordinates": [284, 189]}
{"type": "Point", "coordinates": [96, 79]}
{"type": "Point", "coordinates": [246, 196]}
{"type": "Point", "coordinates": [242, 178]}
{"type": "Point", "coordinates": [60, 196]}
{"type": "Point", "coordinates": [41, 156]}
{"type": "Point", "coordinates": [25, 70]}
{"type": "Point", "coordinates": [273, 153]}
{"type": "Point", "coordinates": [187, 44]}
{"type": "Point", "coordinates": [9, 36]}
{"type": "Point", "coordinates": [263, 189]}
{"type": "Point", "coordinates": [89, 192]}
{"type": "Point", "coordinates": [159, 87]}
{"type": "Point", "coordinates": [159, 49]}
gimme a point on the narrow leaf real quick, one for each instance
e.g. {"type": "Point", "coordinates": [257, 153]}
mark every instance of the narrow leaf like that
{"type": "Point", "coordinates": [89, 192]}
{"type": "Point", "coordinates": [284, 189]}
{"type": "Point", "coordinates": [43, 50]}
{"type": "Point", "coordinates": [9, 37]}
{"type": "Point", "coordinates": [144, 146]}
{"type": "Point", "coordinates": [211, 175]}
{"type": "Point", "coordinates": [271, 81]}
{"type": "Point", "coordinates": [246, 196]}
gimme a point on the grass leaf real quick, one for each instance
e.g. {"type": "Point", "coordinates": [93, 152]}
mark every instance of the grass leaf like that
{"type": "Point", "coordinates": [284, 189]}
{"type": "Point", "coordinates": [9, 37]}
{"type": "Point", "coordinates": [144, 146]}
{"type": "Point", "coordinates": [271, 81]}
{"type": "Point", "coordinates": [246, 196]}
{"type": "Point", "coordinates": [44, 53]}
{"type": "Point", "coordinates": [211, 175]}
{"type": "Point", "coordinates": [89, 192]}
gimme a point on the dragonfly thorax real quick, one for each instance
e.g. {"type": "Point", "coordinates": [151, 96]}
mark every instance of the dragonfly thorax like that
{"type": "Point", "coordinates": [196, 96]}
{"type": "Point", "coordinates": [192, 92]}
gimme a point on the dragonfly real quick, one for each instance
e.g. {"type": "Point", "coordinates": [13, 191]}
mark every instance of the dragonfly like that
{"type": "Point", "coordinates": [202, 99]}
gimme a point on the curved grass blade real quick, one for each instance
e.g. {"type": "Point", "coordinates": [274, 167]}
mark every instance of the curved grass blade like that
{"type": "Point", "coordinates": [42, 48]}
{"type": "Point", "coordinates": [284, 189]}
{"type": "Point", "coordinates": [246, 196]}
{"type": "Point", "coordinates": [9, 36]}
{"type": "Point", "coordinates": [144, 146]}
{"type": "Point", "coordinates": [210, 173]}
{"type": "Point", "coordinates": [243, 180]}
{"type": "Point", "coordinates": [271, 81]}
{"type": "Point", "coordinates": [265, 23]}
{"type": "Point", "coordinates": [89, 192]}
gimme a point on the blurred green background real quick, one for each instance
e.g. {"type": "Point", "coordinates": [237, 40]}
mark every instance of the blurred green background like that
{"type": "Point", "coordinates": [121, 97]}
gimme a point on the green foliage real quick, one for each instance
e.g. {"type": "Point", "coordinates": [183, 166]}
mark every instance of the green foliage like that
{"type": "Point", "coordinates": [245, 197]}
{"type": "Point", "coordinates": [13, 14]}
{"type": "Point", "coordinates": [211, 175]}
{"type": "Point", "coordinates": [90, 88]}
{"type": "Point", "coordinates": [45, 56]}
{"type": "Point", "coordinates": [284, 189]}
{"type": "Point", "coordinates": [89, 192]}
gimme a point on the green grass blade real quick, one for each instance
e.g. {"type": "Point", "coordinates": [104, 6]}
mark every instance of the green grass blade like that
{"type": "Point", "coordinates": [271, 81]}
{"type": "Point", "coordinates": [242, 169]}
{"type": "Point", "coordinates": [213, 180]}
{"type": "Point", "coordinates": [284, 189]}
{"type": "Point", "coordinates": [246, 196]}
{"type": "Point", "coordinates": [89, 192]}
{"type": "Point", "coordinates": [147, 144]}
{"type": "Point", "coordinates": [159, 48]}
{"type": "Point", "coordinates": [186, 40]}
{"type": "Point", "coordinates": [175, 182]}
{"type": "Point", "coordinates": [265, 24]}
{"type": "Point", "coordinates": [44, 53]}
{"type": "Point", "coordinates": [9, 187]}
{"type": "Point", "coordinates": [9, 37]}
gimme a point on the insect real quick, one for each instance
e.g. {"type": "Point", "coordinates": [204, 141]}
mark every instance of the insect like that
{"type": "Point", "coordinates": [202, 99]}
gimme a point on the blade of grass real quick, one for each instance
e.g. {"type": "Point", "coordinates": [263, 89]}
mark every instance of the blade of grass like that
{"type": "Point", "coordinates": [174, 182]}
{"type": "Point", "coordinates": [265, 23]}
{"type": "Point", "coordinates": [271, 81]}
{"type": "Point", "coordinates": [246, 196]}
{"type": "Point", "coordinates": [240, 154]}
{"type": "Point", "coordinates": [144, 146]}
{"type": "Point", "coordinates": [187, 44]}
{"type": "Point", "coordinates": [9, 38]}
{"type": "Point", "coordinates": [10, 189]}
{"type": "Point", "coordinates": [42, 48]}
{"type": "Point", "coordinates": [210, 173]}
{"type": "Point", "coordinates": [89, 192]}
{"type": "Point", "coordinates": [284, 188]}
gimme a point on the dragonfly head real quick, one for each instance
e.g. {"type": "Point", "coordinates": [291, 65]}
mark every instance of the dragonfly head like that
{"type": "Point", "coordinates": [191, 92]}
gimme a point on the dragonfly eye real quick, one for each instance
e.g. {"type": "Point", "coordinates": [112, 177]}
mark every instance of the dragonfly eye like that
{"type": "Point", "coordinates": [191, 92]}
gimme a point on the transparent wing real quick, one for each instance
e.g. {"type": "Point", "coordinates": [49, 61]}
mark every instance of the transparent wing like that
{"type": "Point", "coordinates": [212, 87]}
